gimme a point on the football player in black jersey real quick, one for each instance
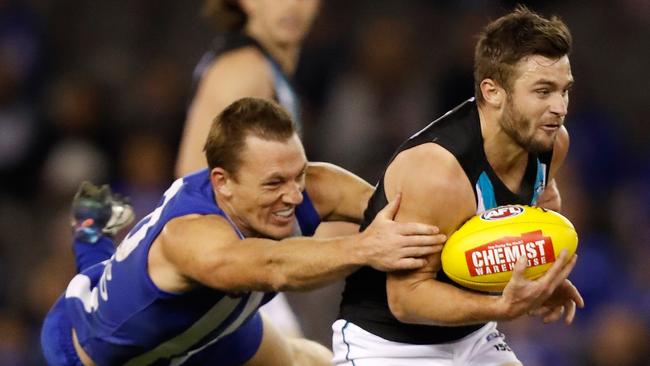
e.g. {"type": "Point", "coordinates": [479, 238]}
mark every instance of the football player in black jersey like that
{"type": "Point", "coordinates": [256, 56]}
{"type": "Point", "coordinates": [504, 147]}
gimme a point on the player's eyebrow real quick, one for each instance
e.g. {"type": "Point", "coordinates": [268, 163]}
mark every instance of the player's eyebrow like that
{"type": "Point", "coordinates": [552, 83]}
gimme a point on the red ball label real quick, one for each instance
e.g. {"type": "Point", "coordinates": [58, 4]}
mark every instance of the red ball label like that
{"type": "Point", "coordinates": [500, 255]}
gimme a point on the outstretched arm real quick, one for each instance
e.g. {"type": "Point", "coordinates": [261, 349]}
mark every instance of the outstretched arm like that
{"type": "Point", "coordinates": [445, 197]}
{"type": "Point", "coordinates": [205, 249]}
{"type": "Point", "coordinates": [337, 194]}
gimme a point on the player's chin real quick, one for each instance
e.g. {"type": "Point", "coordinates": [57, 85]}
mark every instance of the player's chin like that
{"type": "Point", "coordinates": [542, 144]}
{"type": "Point", "coordinates": [278, 231]}
{"type": "Point", "coordinates": [291, 36]}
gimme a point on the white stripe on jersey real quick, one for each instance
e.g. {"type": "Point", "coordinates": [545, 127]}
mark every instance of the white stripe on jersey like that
{"type": "Point", "coordinates": [132, 240]}
{"type": "Point", "coordinates": [480, 206]}
{"type": "Point", "coordinates": [79, 287]}
{"type": "Point", "coordinates": [253, 304]}
{"type": "Point", "coordinates": [210, 321]}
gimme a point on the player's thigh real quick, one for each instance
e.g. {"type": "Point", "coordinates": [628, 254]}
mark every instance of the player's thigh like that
{"type": "Point", "coordinates": [486, 347]}
{"type": "Point", "coordinates": [354, 346]}
{"type": "Point", "coordinates": [274, 350]}
{"type": "Point", "coordinates": [56, 337]}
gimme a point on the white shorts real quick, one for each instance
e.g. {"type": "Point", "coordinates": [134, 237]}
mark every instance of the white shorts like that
{"type": "Point", "coordinates": [354, 346]}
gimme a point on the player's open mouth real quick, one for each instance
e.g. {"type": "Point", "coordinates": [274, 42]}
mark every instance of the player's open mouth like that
{"type": "Point", "coordinates": [285, 215]}
{"type": "Point", "coordinates": [550, 127]}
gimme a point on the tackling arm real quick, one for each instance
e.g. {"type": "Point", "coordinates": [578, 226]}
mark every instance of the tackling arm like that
{"type": "Point", "coordinates": [206, 250]}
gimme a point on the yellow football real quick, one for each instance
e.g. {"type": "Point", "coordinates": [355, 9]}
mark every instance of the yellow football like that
{"type": "Point", "coordinates": [481, 254]}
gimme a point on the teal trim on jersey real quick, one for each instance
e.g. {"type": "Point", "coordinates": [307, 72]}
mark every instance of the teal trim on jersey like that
{"type": "Point", "coordinates": [486, 191]}
{"type": "Point", "coordinates": [285, 94]}
{"type": "Point", "coordinates": [540, 182]}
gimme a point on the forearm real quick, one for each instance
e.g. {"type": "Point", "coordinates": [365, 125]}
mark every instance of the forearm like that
{"type": "Point", "coordinates": [300, 264]}
{"type": "Point", "coordinates": [295, 264]}
{"type": "Point", "coordinates": [432, 302]}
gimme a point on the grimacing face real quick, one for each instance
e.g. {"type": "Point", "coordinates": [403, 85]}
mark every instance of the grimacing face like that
{"type": "Point", "coordinates": [268, 186]}
{"type": "Point", "coordinates": [286, 22]}
{"type": "Point", "coordinates": [538, 102]}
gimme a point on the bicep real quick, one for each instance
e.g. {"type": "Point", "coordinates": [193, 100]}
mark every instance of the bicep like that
{"type": "Point", "coordinates": [337, 194]}
{"type": "Point", "coordinates": [442, 197]}
{"type": "Point", "coordinates": [198, 246]}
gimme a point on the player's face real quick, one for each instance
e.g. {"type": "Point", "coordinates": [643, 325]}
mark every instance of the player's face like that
{"type": "Point", "coordinates": [285, 22]}
{"type": "Point", "coordinates": [268, 187]}
{"type": "Point", "coordinates": [538, 102]}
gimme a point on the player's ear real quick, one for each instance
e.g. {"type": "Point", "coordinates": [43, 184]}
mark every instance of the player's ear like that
{"type": "Point", "coordinates": [221, 181]}
{"type": "Point", "coordinates": [247, 6]}
{"type": "Point", "coordinates": [493, 94]}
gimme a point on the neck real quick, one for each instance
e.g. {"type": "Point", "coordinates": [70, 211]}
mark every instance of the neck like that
{"type": "Point", "coordinates": [504, 155]}
{"type": "Point", "coordinates": [231, 215]}
{"type": "Point", "coordinates": [285, 54]}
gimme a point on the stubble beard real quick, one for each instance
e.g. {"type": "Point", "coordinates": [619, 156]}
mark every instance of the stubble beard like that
{"type": "Point", "coordinates": [515, 124]}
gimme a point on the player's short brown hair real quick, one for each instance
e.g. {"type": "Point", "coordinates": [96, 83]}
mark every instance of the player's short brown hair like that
{"type": "Point", "coordinates": [226, 15]}
{"type": "Point", "coordinates": [514, 36]}
{"type": "Point", "coordinates": [245, 117]}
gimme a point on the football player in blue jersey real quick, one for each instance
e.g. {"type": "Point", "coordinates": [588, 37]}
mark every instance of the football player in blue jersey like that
{"type": "Point", "coordinates": [255, 55]}
{"type": "Point", "coordinates": [184, 286]}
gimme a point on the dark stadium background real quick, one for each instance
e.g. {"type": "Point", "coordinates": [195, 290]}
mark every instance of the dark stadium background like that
{"type": "Point", "coordinates": [98, 90]}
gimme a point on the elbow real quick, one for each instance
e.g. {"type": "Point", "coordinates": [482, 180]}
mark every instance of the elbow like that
{"type": "Point", "coordinates": [278, 282]}
{"type": "Point", "coordinates": [399, 307]}
{"type": "Point", "coordinates": [273, 273]}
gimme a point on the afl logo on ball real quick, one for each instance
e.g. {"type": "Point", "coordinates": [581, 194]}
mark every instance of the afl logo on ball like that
{"type": "Point", "coordinates": [502, 212]}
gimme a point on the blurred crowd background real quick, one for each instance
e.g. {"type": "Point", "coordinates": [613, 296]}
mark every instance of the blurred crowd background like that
{"type": "Point", "coordinates": [98, 90]}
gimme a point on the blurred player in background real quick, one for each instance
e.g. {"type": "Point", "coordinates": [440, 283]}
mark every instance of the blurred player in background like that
{"type": "Point", "coordinates": [502, 147]}
{"type": "Point", "coordinates": [184, 286]}
{"type": "Point", "coordinates": [255, 57]}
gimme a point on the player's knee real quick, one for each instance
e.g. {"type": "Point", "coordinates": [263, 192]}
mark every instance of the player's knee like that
{"type": "Point", "coordinates": [309, 353]}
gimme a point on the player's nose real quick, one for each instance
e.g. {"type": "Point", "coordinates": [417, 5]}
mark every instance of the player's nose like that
{"type": "Point", "coordinates": [293, 195]}
{"type": "Point", "coordinates": [559, 105]}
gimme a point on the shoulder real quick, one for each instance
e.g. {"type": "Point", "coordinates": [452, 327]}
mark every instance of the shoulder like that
{"type": "Point", "coordinates": [434, 186]}
{"type": "Point", "coordinates": [319, 173]}
{"type": "Point", "coordinates": [244, 69]}
{"type": "Point", "coordinates": [328, 184]}
{"type": "Point", "coordinates": [190, 227]}
{"type": "Point", "coordinates": [249, 59]}
{"type": "Point", "coordinates": [428, 162]}
{"type": "Point", "coordinates": [322, 178]}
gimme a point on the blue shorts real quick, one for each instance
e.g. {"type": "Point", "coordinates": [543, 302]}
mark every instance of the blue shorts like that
{"type": "Point", "coordinates": [56, 338]}
{"type": "Point", "coordinates": [232, 350]}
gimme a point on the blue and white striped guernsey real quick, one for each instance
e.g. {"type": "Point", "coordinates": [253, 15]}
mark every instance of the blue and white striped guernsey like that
{"type": "Point", "coordinates": [122, 318]}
